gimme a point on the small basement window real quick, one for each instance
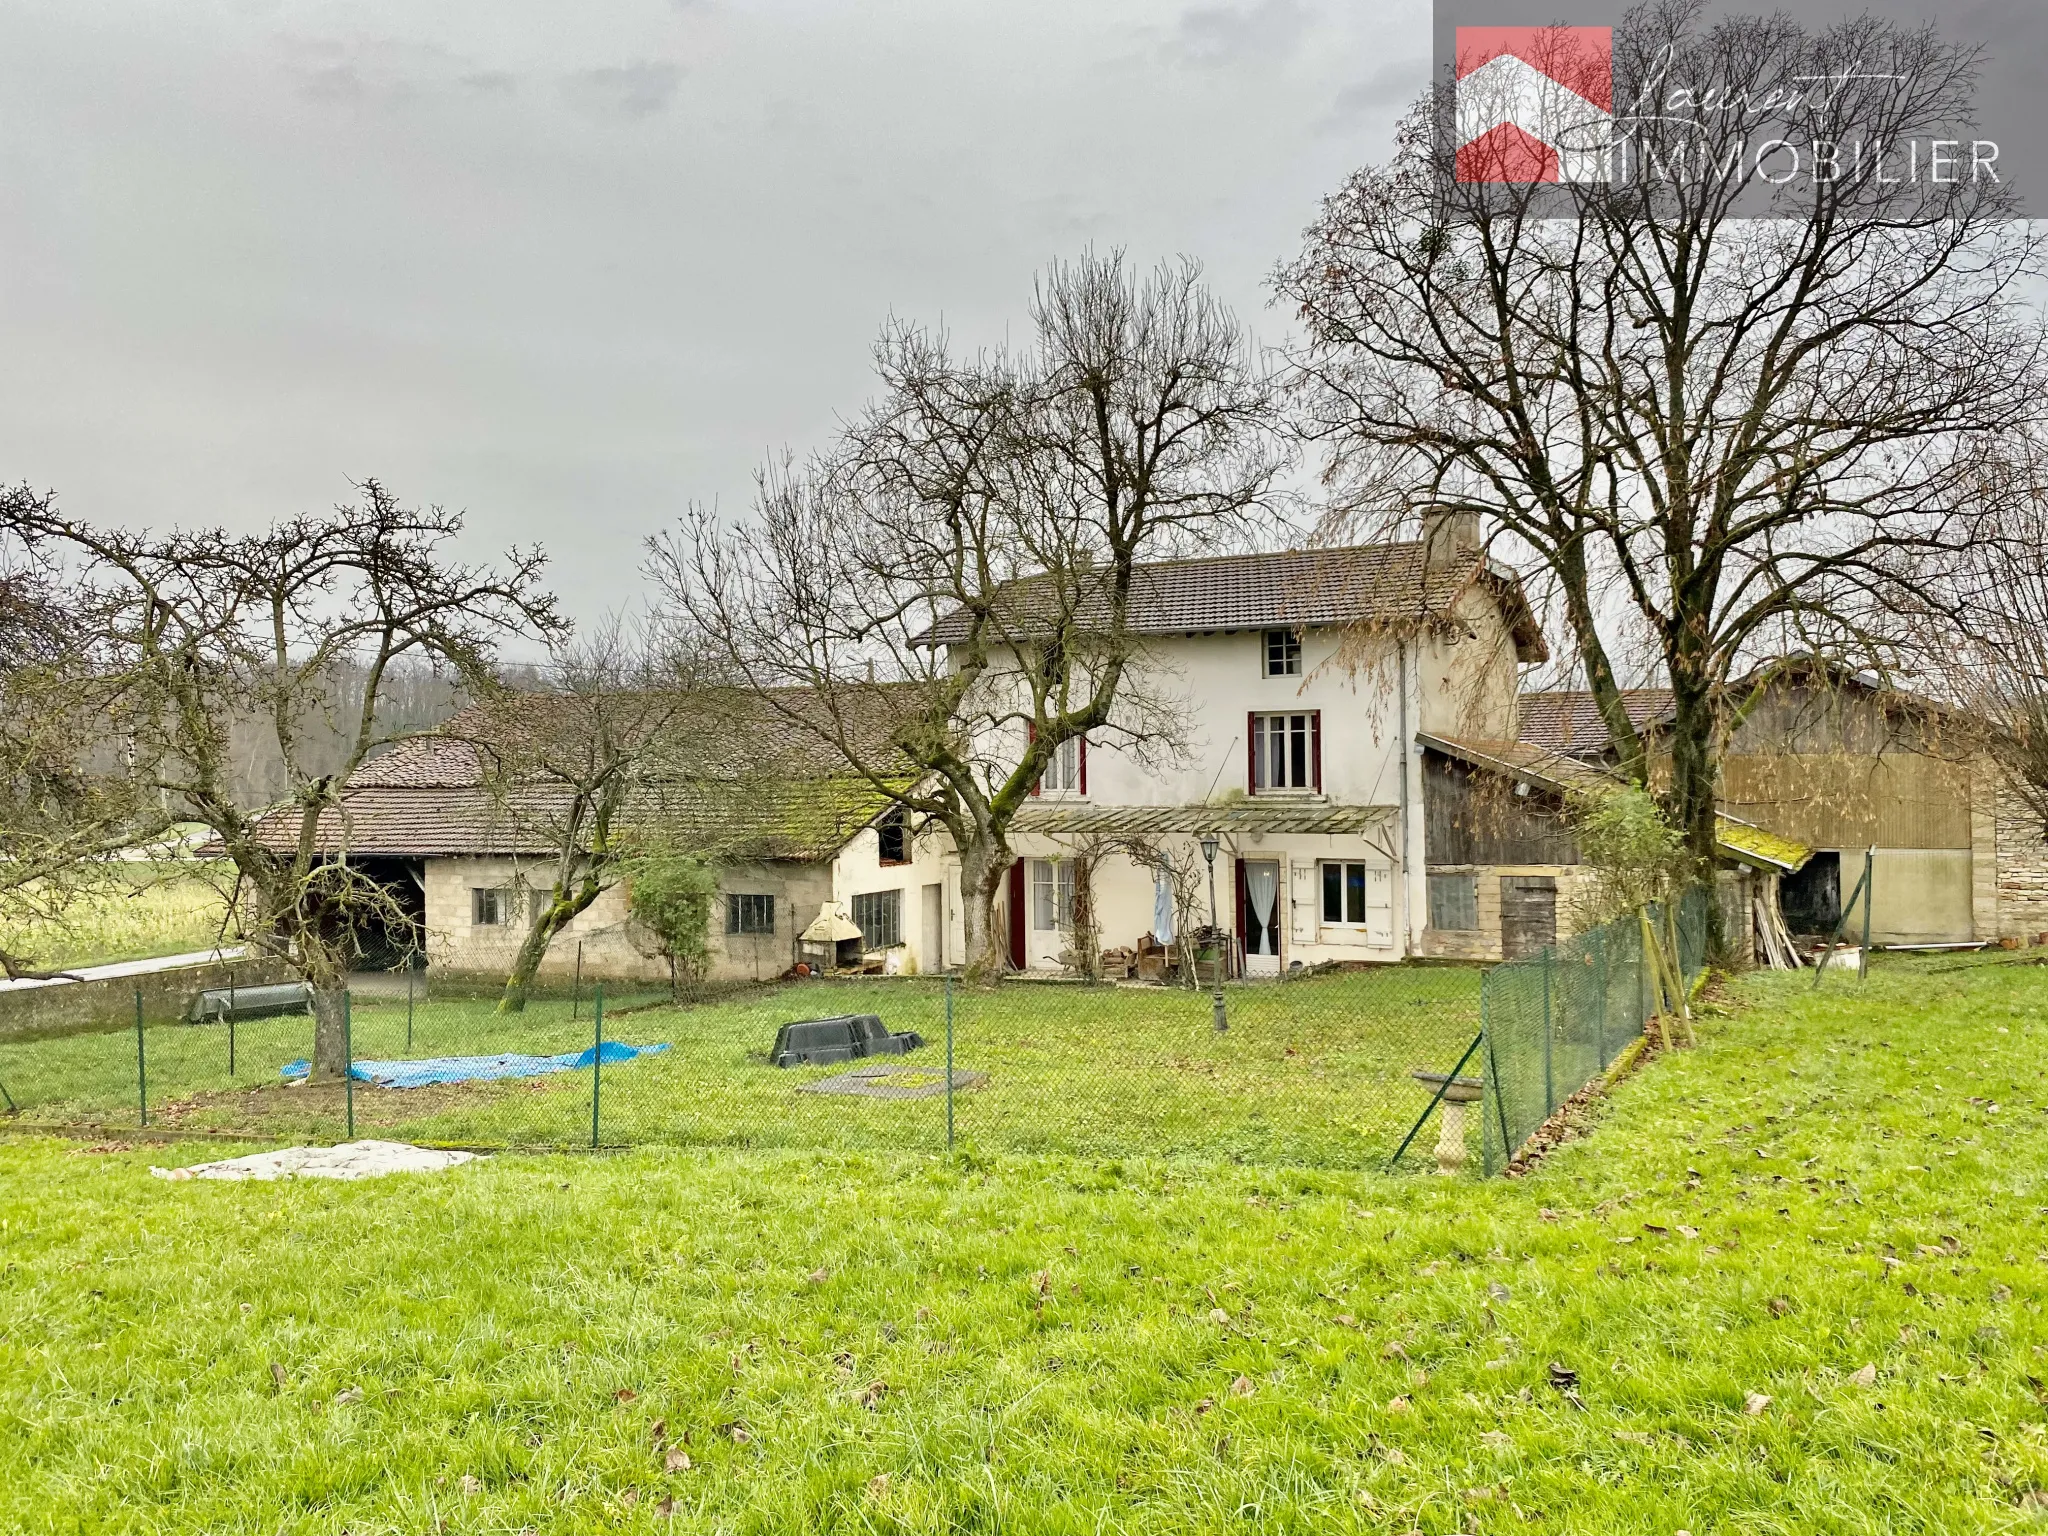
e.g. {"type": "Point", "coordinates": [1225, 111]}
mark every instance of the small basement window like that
{"type": "Point", "coordinates": [1283, 653]}
{"type": "Point", "coordinates": [892, 833]}
{"type": "Point", "coordinates": [879, 917]}
{"type": "Point", "coordinates": [1454, 902]}
{"type": "Point", "coordinates": [749, 914]}
{"type": "Point", "coordinates": [490, 906]}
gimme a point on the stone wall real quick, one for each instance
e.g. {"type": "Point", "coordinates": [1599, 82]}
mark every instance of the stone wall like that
{"type": "Point", "coordinates": [2021, 870]}
{"type": "Point", "coordinates": [90, 1007]}
{"type": "Point", "coordinates": [614, 946]}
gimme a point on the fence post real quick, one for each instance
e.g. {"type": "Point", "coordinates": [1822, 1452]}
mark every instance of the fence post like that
{"type": "Point", "coordinates": [348, 1061]}
{"type": "Point", "coordinates": [410, 973]}
{"type": "Point", "coordinates": [1869, 894]}
{"type": "Point", "coordinates": [596, 1060]}
{"type": "Point", "coordinates": [1549, 1083]}
{"type": "Point", "coordinates": [949, 1063]}
{"type": "Point", "coordinates": [231, 1021]}
{"type": "Point", "coordinates": [141, 1063]}
{"type": "Point", "coordinates": [1600, 992]}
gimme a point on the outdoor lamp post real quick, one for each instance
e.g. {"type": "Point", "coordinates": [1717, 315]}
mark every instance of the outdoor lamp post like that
{"type": "Point", "coordinates": [1210, 843]}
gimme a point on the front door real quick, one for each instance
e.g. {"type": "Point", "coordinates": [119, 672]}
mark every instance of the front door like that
{"type": "Point", "coordinates": [1262, 909]}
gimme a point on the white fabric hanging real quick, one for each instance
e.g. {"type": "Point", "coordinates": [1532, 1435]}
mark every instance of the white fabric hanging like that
{"type": "Point", "coordinates": [1162, 909]}
{"type": "Point", "coordinates": [1261, 891]}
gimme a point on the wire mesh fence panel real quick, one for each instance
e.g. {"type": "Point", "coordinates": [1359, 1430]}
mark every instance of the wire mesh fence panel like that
{"type": "Point", "coordinates": [1314, 1069]}
{"type": "Point", "coordinates": [1558, 1019]}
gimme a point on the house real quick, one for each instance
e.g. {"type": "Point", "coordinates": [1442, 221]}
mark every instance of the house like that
{"type": "Point", "coordinates": [1305, 676]}
{"type": "Point", "coordinates": [1844, 764]}
{"type": "Point", "coordinates": [465, 859]}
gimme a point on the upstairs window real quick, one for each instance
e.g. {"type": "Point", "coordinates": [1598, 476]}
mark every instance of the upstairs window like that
{"type": "Point", "coordinates": [1286, 752]}
{"type": "Point", "coordinates": [749, 914]}
{"type": "Point", "coordinates": [892, 834]}
{"type": "Point", "coordinates": [1283, 653]}
{"type": "Point", "coordinates": [1066, 773]}
{"type": "Point", "coordinates": [490, 906]}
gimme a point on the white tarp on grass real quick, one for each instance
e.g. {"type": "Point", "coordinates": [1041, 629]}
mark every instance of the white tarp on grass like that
{"type": "Point", "coordinates": [352, 1160]}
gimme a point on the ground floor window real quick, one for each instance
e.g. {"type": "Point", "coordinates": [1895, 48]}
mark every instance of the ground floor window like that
{"type": "Point", "coordinates": [749, 914]}
{"type": "Point", "coordinates": [1052, 895]}
{"type": "Point", "coordinates": [879, 917]}
{"type": "Point", "coordinates": [490, 906]}
{"type": "Point", "coordinates": [1344, 893]}
{"type": "Point", "coordinates": [1454, 902]}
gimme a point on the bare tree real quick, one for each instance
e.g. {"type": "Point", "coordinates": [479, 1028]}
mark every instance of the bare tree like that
{"type": "Point", "coordinates": [943, 599]}
{"type": "Point", "coordinates": [206, 627]}
{"type": "Point", "coordinates": [67, 801]}
{"type": "Point", "coordinates": [619, 727]}
{"type": "Point", "coordinates": [1749, 429]}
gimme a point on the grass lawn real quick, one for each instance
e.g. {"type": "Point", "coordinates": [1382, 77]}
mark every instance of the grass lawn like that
{"type": "Point", "coordinates": [1311, 1071]}
{"type": "Point", "coordinates": [1797, 1275]}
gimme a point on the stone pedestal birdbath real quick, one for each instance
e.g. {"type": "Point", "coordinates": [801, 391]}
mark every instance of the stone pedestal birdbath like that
{"type": "Point", "coordinates": [1457, 1093]}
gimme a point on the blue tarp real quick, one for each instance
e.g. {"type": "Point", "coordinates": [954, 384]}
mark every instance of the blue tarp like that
{"type": "Point", "coordinates": [478, 1069]}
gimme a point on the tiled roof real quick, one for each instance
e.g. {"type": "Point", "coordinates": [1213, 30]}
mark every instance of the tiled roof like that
{"type": "Point", "coordinates": [770, 789]}
{"type": "Point", "coordinates": [1570, 722]}
{"type": "Point", "coordinates": [1294, 588]}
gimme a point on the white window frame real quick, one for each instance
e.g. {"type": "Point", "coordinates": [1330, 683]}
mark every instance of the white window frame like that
{"type": "Point", "coordinates": [1272, 744]}
{"type": "Point", "coordinates": [1062, 774]}
{"type": "Point", "coordinates": [1052, 895]}
{"type": "Point", "coordinates": [1288, 659]}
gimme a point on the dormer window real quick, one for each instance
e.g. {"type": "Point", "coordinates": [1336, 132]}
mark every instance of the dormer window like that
{"type": "Point", "coordinates": [1283, 653]}
{"type": "Point", "coordinates": [892, 834]}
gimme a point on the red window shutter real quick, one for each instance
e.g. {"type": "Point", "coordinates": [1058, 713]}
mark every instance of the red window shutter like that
{"type": "Point", "coordinates": [1083, 749]}
{"type": "Point", "coordinates": [1031, 735]}
{"type": "Point", "coordinates": [1315, 747]}
{"type": "Point", "coordinates": [1251, 753]}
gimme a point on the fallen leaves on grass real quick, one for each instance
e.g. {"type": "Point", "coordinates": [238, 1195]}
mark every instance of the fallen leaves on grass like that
{"type": "Point", "coordinates": [625, 1394]}
{"type": "Point", "coordinates": [1393, 1351]}
{"type": "Point", "coordinates": [1781, 1306]}
{"type": "Point", "coordinates": [1755, 1404]}
{"type": "Point", "coordinates": [1219, 1317]}
{"type": "Point", "coordinates": [1867, 1377]}
{"type": "Point", "coordinates": [677, 1460]}
{"type": "Point", "coordinates": [666, 1509]}
{"type": "Point", "coordinates": [349, 1395]}
{"type": "Point", "coordinates": [1398, 1405]}
{"type": "Point", "coordinates": [1244, 1386]}
{"type": "Point", "coordinates": [470, 1484]}
{"type": "Point", "coordinates": [820, 1275]}
{"type": "Point", "coordinates": [878, 1487]}
{"type": "Point", "coordinates": [872, 1394]}
{"type": "Point", "coordinates": [277, 1378]}
{"type": "Point", "coordinates": [1206, 1405]}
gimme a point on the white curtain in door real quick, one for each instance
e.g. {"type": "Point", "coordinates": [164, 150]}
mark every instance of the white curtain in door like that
{"type": "Point", "coordinates": [1261, 891]}
{"type": "Point", "coordinates": [1162, 909]}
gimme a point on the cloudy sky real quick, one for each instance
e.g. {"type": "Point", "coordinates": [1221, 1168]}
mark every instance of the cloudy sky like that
{"type": "Point", "coordinates": [570, 267]}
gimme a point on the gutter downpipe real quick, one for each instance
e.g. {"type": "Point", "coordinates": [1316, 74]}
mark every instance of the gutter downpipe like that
{"type": "Point", "coordinates": [1407, 746]}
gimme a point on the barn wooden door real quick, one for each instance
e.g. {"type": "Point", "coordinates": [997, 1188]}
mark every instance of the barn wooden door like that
{"type": "Point", "coordinates": [1528, 914]}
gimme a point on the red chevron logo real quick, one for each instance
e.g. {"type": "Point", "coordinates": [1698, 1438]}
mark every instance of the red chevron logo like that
{"type": "Point", "coordinates": [1535, 104]}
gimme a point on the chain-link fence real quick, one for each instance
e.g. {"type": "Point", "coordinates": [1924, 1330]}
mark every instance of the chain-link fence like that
{"type": "Point", "coordinates": [1333, 1068]}
{"type": "Point", "coordinates": [1315, 1068]}
{"type": "Point", "coordinates": [1556, 1020]}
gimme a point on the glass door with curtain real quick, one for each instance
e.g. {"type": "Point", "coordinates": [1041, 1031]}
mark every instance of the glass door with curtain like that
{"type": "Point", "coordinates": [1262, 917]}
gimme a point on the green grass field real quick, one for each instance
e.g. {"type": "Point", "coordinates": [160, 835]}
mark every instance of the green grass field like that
{"type": "Point", "coordinates": [167, 907]}
{"type": "Point", "coordinates": [1796, 1276]}
{"type": "Point", "coordinates": [1311, 1071]}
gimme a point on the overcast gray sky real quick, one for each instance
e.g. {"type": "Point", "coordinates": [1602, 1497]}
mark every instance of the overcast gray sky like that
{"type": "Point", "coordinates": [570, 267]}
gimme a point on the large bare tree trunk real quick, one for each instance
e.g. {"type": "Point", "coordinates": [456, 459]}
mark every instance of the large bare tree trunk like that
{"type": "Point", "coordinates": [982, 870]}
{"type": "Point", "coordinates": [330, 1045]}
